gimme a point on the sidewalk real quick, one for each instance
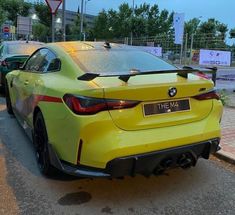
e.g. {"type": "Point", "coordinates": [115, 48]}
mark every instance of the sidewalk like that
{"type": "Point", "coordinates": [228, 132]}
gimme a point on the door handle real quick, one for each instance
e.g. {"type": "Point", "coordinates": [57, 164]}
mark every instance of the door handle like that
{"type": "Point", "coordinates": [26, 82]}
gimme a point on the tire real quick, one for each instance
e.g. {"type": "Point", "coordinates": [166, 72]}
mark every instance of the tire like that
{"type": "Point", "coordinates": [8, 100]}
{"type": "Point", "coordinates": [40, 140]}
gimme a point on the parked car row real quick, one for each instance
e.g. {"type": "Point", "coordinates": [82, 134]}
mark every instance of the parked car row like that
{"type": "Point", "coordinates": [94, 109]}
{"type": "Point", "coordinates": [13, 54]}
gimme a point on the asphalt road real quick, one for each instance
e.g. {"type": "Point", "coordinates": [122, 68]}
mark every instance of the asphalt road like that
{"type": "Point", "coordinates": [207, 189]}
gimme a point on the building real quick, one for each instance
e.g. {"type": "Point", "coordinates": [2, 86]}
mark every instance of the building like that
{"type": "Point", "coordinates": [71, 16]}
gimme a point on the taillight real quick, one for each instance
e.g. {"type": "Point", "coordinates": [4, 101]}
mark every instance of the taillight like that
{"type": "Point", "coordinates": [208, 95]}
{"type": "Point", "coordinates": [87, 105]}
{"type": "Point", "coordinates": [4, 63]}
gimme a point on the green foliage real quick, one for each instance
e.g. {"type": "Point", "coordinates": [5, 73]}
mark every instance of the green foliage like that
{"type": "Point", "coordinates": [232, 33]}
{"type": "Point", "coordinates": [43, 13]}
{"type": "Point", "coordinates": [40, 32]}
{"type": "Point", "coordinates": [209, 34]}
{"type": "Point", "coordinates": [145, 20]}
{"type": "Point", "coordinates": [2, 16]}
{"type": "Point", "coordinates": [224, 97]}
{"type": "Point", "coordinates": [13, 8]}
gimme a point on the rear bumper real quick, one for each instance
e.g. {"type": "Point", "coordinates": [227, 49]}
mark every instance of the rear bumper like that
{"type": "Point", "coordinates": [145, 164]}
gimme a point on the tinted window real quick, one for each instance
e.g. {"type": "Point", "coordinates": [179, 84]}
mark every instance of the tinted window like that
{"type": "Point", "coordinates": [38, 62]}
{"type": "Point", "coordinates": [54, 62]}
{"type": "Point", "coordinates": [119, 62]}
{"type": "Point", "coordinates": [23, 48]}
{"type": "Point", "coordinates": [43, 61]}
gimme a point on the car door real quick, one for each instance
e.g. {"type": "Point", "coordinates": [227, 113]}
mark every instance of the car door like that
{"type": "Point", "coordinates": [31, 81]}
{"type": "Point", "coordinates": [26, 82]}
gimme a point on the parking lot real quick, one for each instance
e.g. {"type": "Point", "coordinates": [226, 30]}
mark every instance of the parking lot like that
{"type": "Point", "coordinates": [206, 189]}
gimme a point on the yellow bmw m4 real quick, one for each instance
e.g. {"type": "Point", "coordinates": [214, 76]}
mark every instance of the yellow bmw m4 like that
{"type": "Point", "coordinates": [96, 109]}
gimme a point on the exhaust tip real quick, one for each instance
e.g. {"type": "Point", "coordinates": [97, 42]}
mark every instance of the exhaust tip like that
{"type": "Point", "coordinates": [186, 161]}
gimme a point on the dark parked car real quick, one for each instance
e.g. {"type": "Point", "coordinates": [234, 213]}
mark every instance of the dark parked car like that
{"type": "Point", "coordinates": [13, 54]}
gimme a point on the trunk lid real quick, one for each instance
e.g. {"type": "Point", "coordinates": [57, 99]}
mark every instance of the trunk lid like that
{"type": "Point", "coordinates": [153, 89]}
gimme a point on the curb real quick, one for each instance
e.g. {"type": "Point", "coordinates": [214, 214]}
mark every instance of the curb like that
{"type": "Point", "coordinates": [226, 156]}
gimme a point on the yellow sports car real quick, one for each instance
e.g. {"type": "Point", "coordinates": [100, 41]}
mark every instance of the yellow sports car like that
{"type": "Point", "coordinates": [97, 109]}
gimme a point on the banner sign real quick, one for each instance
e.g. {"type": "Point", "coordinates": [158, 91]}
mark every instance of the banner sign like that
{"type": "Point", "coordinates": [54, 5]}
{"type": "Point", "coordinates": [179, 27]}
{"type": "Point", "coordinates": [214, 57]}
{"type": "Point", "coordinates": [24, 25]}
{"type": "Point", "coordinates": [157, 51]}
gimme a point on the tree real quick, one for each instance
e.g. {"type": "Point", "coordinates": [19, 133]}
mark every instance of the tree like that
{"type": "Point", "coordinates": [145, 20]}
{"type": "Point", "coordinates": [212, 34]}
{"type": "Point", "coordinates": [232, 33]}
{"type": "Point", "coordinates": [40, 32]}
{"type": "Point", "coordinates": [13, 8]}
{"type": "Point", "coordinates": [191, 27]}
{"type": "Point", "coordinates": [43, 13]}
{"type": "Point", "coordinates": [101, 27]}
{"type": "Point", "coordinates": [208, 34]}
{"type": "Point", "coordinates": [2, 16]}
{"type": "Point", "coordinates": [2, 12]}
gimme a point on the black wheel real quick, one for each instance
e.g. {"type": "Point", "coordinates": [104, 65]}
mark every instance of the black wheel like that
{"type": "Point", "coordinates": [8, 100]}
{"type": "Point", "coordinates": [40, 139]}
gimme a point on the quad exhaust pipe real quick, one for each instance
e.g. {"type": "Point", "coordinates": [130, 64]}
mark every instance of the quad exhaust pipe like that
{"type": "Point", "coordinates": [186, 161]}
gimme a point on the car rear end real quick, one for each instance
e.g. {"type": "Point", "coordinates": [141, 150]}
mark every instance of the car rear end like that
{"type": "Point", "coordinates": [144, 125]}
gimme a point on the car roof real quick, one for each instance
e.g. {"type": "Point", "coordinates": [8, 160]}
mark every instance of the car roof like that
{"type": "Point", "coordinates": [86, 46]}
{"type": "Point", "coordinates": [17, 42]}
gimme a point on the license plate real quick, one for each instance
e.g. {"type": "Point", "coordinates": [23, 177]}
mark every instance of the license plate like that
{"type": "Point", "coordinates": [166, 107]}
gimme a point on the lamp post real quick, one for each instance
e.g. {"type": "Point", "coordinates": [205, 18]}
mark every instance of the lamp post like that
{"type": "Point", "coordinates": [63, 21]}
{"type": "Point", "coordinates": [84, 19]}
{"type": "Point", "coordinates": [133, 12]}
{"type": "Point", "coordinates": [86, 5]}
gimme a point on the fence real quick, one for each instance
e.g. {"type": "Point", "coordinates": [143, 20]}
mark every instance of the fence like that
{"type": "Point", "coordinates": [188, 53]}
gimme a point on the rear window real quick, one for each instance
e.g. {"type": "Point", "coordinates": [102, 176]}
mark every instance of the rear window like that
{"type": "Point", "coordinates": [22, 49]}
{"type": "Point", "coordinates": [119, 62]}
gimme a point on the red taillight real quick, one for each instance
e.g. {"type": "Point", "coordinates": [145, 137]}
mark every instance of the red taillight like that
{"type": "Point", "coordinates": [4, 63]}
{"type": "Point", "coordinates": [208, 95]}
{"type": "Point", "coordinates": [86, 105]}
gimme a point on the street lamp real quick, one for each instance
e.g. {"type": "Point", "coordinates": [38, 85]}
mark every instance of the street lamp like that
{"type": "Point", "coordinates": [84, 20]}
{"type": "Point", "coordinates": [86, 1]}
{"type": "Point", "coordinates": [133, 13]}
{"type": "Point", "coordinates": [34, 17]}
{"type": "Point", "coordinates": [64, 20]}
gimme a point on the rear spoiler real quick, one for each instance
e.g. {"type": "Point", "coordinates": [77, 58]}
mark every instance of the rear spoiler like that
{"type": "Point", "coordinates": [180, 72]}
{"type": "Point", "coordinates": [209, 70]}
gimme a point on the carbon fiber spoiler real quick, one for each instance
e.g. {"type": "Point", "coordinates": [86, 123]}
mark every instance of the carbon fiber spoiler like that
{"type": "Point", "coordinates": [180, 72]}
